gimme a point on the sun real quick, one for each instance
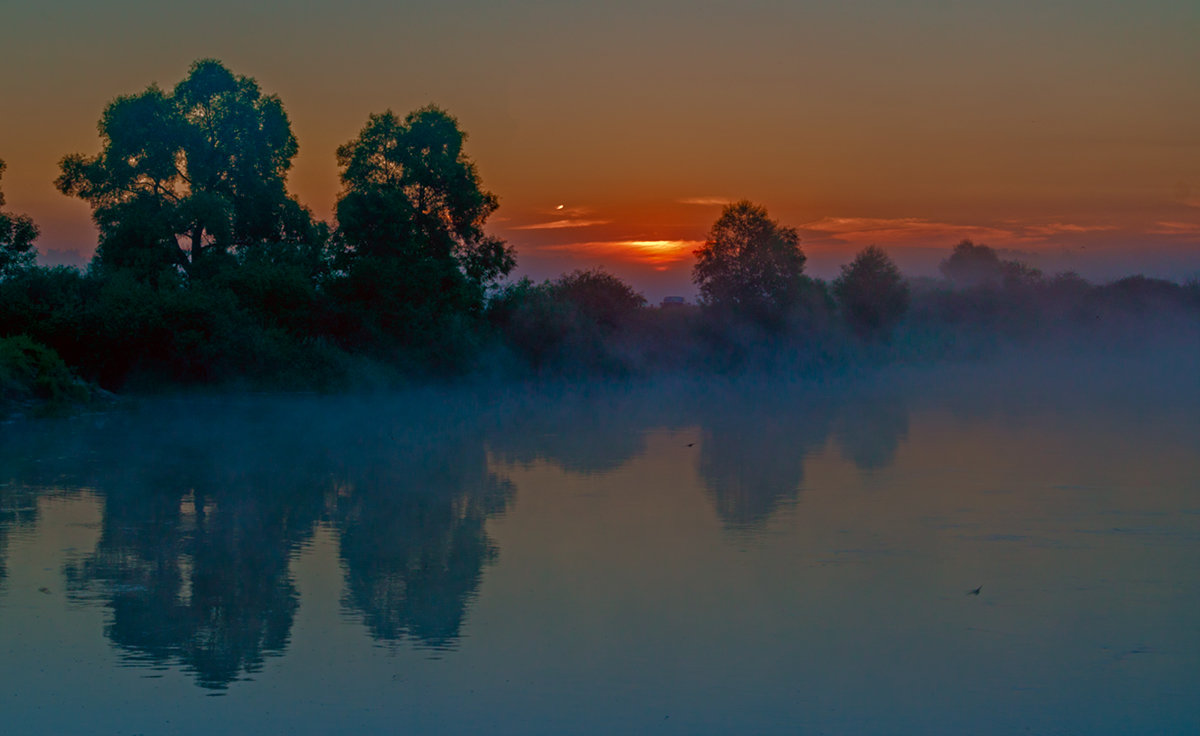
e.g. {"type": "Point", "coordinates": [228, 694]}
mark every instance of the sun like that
{"type": "Point", "coordinates": [660, 251]}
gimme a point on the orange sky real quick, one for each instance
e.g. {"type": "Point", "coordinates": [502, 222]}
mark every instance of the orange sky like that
{"type": "Point", "coordinates": [1067, 131]}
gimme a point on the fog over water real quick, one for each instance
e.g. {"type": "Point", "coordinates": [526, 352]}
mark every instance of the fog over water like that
{"type": "Point", "coordinates": [755, 554]}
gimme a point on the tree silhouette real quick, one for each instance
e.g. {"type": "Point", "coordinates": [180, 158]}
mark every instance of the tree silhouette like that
{"type": "Point", "coordinates": [570, 324]}
{"type": "Point", "coordinates": [201, 166]}
{"type": "Point", "coordinates": [599, 297]}
{"type": "Point", "coordinates": [750, 264]}
{"type": "Point", "coordinates": [972, 265]}
{"type": "Point", "coordinates": [17, 233]}
{"type": "Point", "coordinates": [411, 218]}
{"type": "Point", "coordinates": [871, 293]}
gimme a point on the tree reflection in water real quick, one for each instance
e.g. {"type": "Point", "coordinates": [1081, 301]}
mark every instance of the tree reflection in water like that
{"type": "Point", "coordinates": [414, 495]}
{"type": "Point", "coordinates": [195, 542]}
{"type": "Point", "coordinates": [205, 503]}
{"type": "Point", "coordinates": [755, 437]}
{"type": "Point", "coordinates": [18, 510]}
{"type": "Point", "coordinates": [25, 475]}
{"type": "Point", "coordinates": [414, 545]}
{"type": "Point", "coordinates": [752, 461]}
{"type": "Point", "coordinates": [202, 515]}
{"type": "Point", "coordinates": [870, 429]}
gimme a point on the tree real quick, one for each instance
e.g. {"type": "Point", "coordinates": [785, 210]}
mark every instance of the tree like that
{"type": "Point", "coordinates": [978, 265]}
{"type": "Point", "coordinates": [184, 174]}
{"type": "Point", "coordinates": [572, 323]}
{"type": "Point", "coordinates": [17, 233]}
{"type": "Point", "coordinates": [972, 265]}
{"type": "Point", "coordinates": [750, 264]}
{"type": "Point", "coordinates": [599, 297]}
{"type": "Point", "coordinates": [411, 219]}
{"type": "Point", "coordinates": [871, 293]}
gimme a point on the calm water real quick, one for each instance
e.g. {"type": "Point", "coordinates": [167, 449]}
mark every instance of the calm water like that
{"type": "Point", "coordinates": [758, 557]}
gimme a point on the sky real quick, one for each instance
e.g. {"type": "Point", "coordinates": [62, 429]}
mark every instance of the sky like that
{"type": "Point", "coordinates": [1065, 132]}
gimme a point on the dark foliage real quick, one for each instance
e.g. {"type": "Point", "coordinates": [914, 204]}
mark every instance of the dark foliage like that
{"type": "Point", "coordinates": [29, 370]}
{"type": "Point", "coordinates": [971, 265]}
{"type": "Point", "coordinates": [204, 164]}
{"type": "Point", "coordinates": [750, 265]}
{"type": "Point", "coordinates": [416, 262]}
{"type": "Point", "coordinates": [871, 293]}
{"type": "Point", "coordinates": [208, 271]}
{"type": "Point", "coordinates": [577, 323]}
{"type": "Point", "coordinates": [17, 233]}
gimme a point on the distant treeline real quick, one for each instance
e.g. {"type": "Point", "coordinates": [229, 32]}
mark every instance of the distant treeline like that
{"type": "Point", "coordinates": [209, 271]}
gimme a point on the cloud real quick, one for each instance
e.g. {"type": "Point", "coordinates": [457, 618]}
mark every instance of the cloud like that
{"type": "Point", "coordinates": [1175, 228]}
{"type": "Point", "coordinates": [561, 224]}
{"type": "Point", "coordinates": [903, 230]}
{"type": "Point", "coordinates": [1061, 228]}
{"type": "Point", "coordinates": [706, 201]}
{"type": "Point", "coordinates": [921, 231]}
{"type": "Point", "coordinates": [655, 252]}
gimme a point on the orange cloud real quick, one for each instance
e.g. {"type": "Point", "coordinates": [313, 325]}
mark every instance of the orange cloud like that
{"type": "Point", "coordinates": [1175, 228]}
{"type": "Point", "coordinates": [662, 253]}
{"type": "Point", "coordinates": [1061, 228]}
{"type": "Point", "coordinates": [903, 230]}
{"type": "Point", "coordinates": [920, 231]}
{"type": "Point", "coordinates": [706, 201]}
{"type": "Point", "coordinates": [561, 224]}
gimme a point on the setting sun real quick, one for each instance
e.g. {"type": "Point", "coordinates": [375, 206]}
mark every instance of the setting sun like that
{"type": "Point", "coordinates": [661, 251]}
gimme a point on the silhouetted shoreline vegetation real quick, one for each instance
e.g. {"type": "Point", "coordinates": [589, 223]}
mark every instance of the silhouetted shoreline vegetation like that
{"type": "Point", "coordinates": [209, 272]}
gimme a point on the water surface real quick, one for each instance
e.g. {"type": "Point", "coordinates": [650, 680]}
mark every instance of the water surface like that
{"type": "Point", "coordinates": [754, 556]}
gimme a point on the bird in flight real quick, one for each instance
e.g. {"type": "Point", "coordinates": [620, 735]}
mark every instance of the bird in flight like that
{"type": "Point", "coordinates": [975, 591]}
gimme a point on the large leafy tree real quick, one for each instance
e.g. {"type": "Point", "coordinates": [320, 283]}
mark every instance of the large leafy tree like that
{"type": "Point", "coordinates": [872, 293]}
{"type": "Point", "coordinates": [411, 218]}
{"type": "Point", "coordinates": [973, 265]}
{"type": "Point", "coordinates": [750, 263]}
{"type": "Point", "coordinates": [189, 173]}
{"type": "Point", "coordinates": [17, 233]}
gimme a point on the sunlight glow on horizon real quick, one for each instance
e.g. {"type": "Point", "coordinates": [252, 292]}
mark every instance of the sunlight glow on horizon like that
{"type": "Point", "coordinates": [659, 253]}
{"type": "Point", "coordinates": [1033, 126]}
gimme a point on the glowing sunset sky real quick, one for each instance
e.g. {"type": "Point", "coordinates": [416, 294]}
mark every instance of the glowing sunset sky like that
{"type": "Point", "coordinates": [1069, 131]}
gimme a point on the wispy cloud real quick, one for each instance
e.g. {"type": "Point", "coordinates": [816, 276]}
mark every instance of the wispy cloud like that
{"type": "Point", "coordinates": [706, 201]}
{"type": "Point", "coordinates": [1176, 228]}
{"type": "Point", "coordinates": [902, 230]}
{"type": "Point", "coordinates": [561, 224]}
{"type": "Point", "coordinates": [922, 231]}
{"type": "Point", "coordinates": [1063, 228]}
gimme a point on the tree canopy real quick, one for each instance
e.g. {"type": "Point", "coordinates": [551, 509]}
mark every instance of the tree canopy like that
{"type": "Point", "coordinates": [182, 174]}
{"type": "Point", "coordinates": [979, 265]}
{"type": "Point", "coordinates": [17, 233]}
{"type": "Point", "coordinates": [871, 292]}
{"type": "Point", "coordinates": [411, 225]}
{"type": "Point", "coordinates": [411, 192]}
{"type": "Point", "coordinates": [750, 263]}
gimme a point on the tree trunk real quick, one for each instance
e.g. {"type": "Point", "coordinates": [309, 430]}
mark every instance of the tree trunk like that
{"type": "Point", "coordinates": [197, 242]}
